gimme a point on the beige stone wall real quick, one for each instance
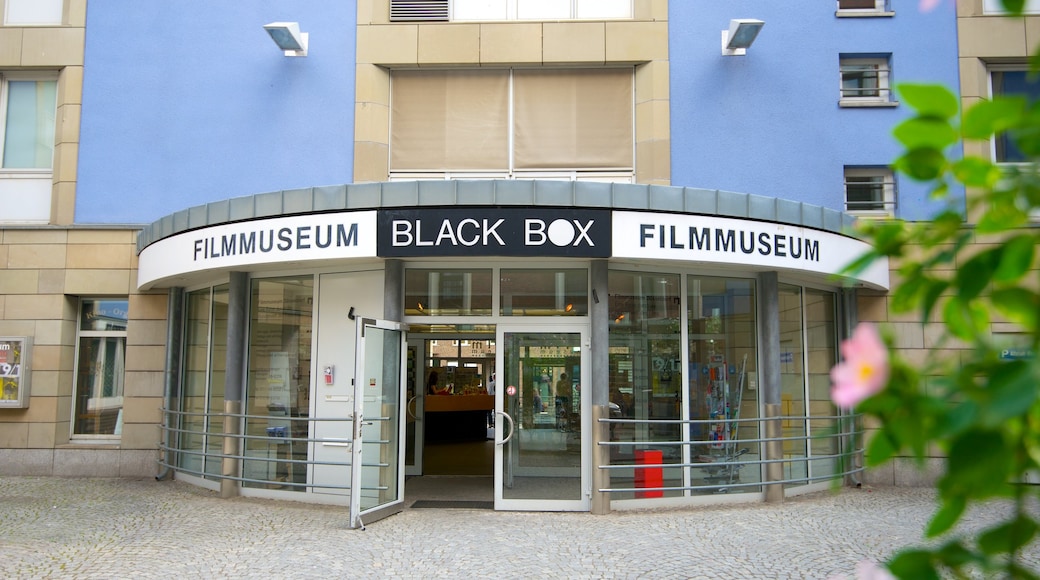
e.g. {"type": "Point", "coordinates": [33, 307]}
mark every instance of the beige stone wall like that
{"type": "Point", "coordinates": [58, 48]}
{"type": "Point", "coordinates": [43, 274]}
{"type": "Point", "coordinates": [642, 41]}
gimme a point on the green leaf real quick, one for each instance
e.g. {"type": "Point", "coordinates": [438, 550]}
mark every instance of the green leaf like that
{"type": "Point", "coordinates": [1009, 537]}
{"type": "Point", "coordinates": [955, 555]}
{"type": "Point", "coordinates": [1014, 6]}
{"type": "Point", "coordinates": [913, 564]}
{"type": "Point", "coordinates": [976, 172]}
{"type": "Point", "coordinates": [978, 466]}
{"type": "Point", "coordinates": [986, 118]}
{"type": "Point", "coordinates": [929, 100]}
{"type": "Point", "coordinates": [949, 514]}
{"type": "Point", "coordinates": [1016, 257]}
{"type": "Point", "coordinates": [974, 275]}
{"type": "Point", "coordinates": [931, 296]}
{"type": "Point", "coordinates": [923, 164]}
{"type": "Point", "coordinates": [1018, 305]}
{"type": "Point", "coordinates": [1010, 391]}
{"type": "Point", "coordinates": [880, 449]}
{"type": "Point", "coordinates": [925, 132]}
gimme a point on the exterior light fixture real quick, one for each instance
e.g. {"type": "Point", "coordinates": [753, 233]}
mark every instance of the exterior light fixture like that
{"type": "Point", "coordinates": [288, 37]}
{"type": "Point", "coordinates": [742, 32]}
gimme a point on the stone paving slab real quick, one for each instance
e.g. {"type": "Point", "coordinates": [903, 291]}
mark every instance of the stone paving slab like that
{"type": "Point", "coordinates": [120, 528]}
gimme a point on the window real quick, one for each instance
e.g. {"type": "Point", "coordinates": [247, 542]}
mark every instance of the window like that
{"type": "Point", "coordinates": [32, 12]}
{"type": "Point", "coordinates": [863, 8]}
{"type": "Point", "coordinates": [562, 292]}
{"type": "Point", "coordinates": [29, 109]}
{"type": "Point", "coordinates": [447, 292]}
{"type": "Point", "coordinates": [560, 123]}
{"type": "Point", "coordinates": [460, 10]}
{"type": "Point", "coordinates": [870, 191]}
{"type": "Point", "coordinates": [101, 345]}
{"type": "Point", "coordinates": [865, 82]}
{"type": "Point", "coordinates": [1011, 82]}
{"type": "Point", "coordinates": [27, 134]}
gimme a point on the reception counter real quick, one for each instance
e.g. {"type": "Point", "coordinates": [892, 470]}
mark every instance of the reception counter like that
{"type": "Point", "coordinates": [457, 416]}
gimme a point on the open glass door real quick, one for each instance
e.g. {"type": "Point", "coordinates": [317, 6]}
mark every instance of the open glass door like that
{"type": "Point", "coordinates": [413, 406]}
{"type": "Point", "coordinates": [542, 462]}
{"type": "Point", "coordinates": [377, 489]}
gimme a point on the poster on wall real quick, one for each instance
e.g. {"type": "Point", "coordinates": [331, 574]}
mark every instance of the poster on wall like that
{"type": "Point", "coordinates": [14, 371]}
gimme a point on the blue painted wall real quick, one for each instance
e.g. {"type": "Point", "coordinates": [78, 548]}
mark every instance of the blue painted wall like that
{"type": "Point", "coordinates": [189, 102]}
{"type": "Point", "coordinates": [768, 123]}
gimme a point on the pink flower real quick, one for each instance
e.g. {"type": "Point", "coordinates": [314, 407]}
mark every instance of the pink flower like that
{"type": "Point", "coordinates": [929, 5]}
{"type": "Point", "coordinates": [864, 371]}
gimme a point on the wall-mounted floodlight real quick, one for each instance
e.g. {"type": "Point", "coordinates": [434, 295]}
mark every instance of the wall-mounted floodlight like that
{"type": "Point", "coordinates": [741, 33]}
{"type": "Point", "coordinates": [288, 37]}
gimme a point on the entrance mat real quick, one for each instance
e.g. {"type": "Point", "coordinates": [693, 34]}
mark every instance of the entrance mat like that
{"type": "Point", "coordinates": [452, 504]}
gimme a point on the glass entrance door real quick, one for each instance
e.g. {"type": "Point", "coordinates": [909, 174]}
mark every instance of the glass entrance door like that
{"type": "Point", "coordinates": [542, 403]}
{"type": "Point", "coordinates": [377, 488]}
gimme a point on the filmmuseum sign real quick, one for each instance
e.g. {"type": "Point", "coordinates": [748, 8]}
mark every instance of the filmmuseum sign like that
{"type": "Point", "coordinates": [730, 241]}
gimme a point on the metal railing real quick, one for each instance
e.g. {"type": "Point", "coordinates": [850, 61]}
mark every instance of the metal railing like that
{"type": "Point", "coordinates": [211, 445]}
{"type": "Point", "coordinates": [702, 466]}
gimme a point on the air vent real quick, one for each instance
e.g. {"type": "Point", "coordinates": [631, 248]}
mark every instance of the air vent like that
{"type": "Point", "coordinates": [418, 10]}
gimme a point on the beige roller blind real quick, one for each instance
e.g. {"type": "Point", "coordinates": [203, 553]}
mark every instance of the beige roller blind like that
{"type": "Point", "coordinates": [449, 120]}
{"type": "Point", "coordinates": [573, 118]}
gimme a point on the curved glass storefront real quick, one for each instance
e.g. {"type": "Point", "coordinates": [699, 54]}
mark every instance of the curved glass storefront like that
{"type": "Point", "coordinates": [643, 357]}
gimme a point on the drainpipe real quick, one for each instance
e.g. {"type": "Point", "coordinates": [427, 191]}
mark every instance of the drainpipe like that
{"type": "Point", "coordinates": [172, 377]}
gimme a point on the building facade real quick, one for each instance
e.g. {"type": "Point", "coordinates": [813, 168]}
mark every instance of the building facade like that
{"type": "Point", "coordinates": [581, 222]}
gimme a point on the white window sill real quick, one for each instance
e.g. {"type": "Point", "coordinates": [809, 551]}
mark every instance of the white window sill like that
{"type": "Point", "coordinates": [863, 14]}
{"type": "Point", "coordinates": [850, 103]}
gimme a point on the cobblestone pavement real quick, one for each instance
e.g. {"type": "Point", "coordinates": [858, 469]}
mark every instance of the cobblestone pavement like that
{"type": "Point", "coordinates": [112, 528]}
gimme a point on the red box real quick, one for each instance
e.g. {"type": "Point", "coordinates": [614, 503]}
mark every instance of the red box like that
{"type": "Point", "coordinates": [649, 476]}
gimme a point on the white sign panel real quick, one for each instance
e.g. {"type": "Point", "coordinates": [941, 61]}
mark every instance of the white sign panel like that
{"type": "Point", "coordinates": [266, 241]}
{"type": "Point", "coordinates": [711, 239]}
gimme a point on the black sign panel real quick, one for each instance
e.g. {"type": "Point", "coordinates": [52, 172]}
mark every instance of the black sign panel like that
{"type": "Point", "coordinates": [481, 231]}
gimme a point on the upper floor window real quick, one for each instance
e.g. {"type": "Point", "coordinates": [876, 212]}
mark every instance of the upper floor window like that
{"type": "Point", "coordinates": [530, 123]}
{"type": "Point", "coordinates": [870, 191]}
{"type": "Point", "coordinates": [1008, 82]}
{"type": "Point", "coordinates": [863, 8]}
{"type": "Point", "coordinates": [865, 81]}
{"type": "Point", "coordinates": [28, 106]}
{"type": "Point", "coordinates": [32, 12]}
{"type": "Point", "coordinates": [459, 10]}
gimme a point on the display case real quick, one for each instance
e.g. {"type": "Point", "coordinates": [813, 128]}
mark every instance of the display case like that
{"type": "Point", "coordinates": [15, 359]}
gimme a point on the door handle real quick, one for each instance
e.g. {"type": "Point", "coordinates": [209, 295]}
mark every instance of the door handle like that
{"type": "Point", "coordinates": [409, 409]}
{"type": "Point", "coordinates": [511, 428]}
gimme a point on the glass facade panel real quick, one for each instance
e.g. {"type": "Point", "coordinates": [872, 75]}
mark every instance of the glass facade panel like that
{"type": "Point", "coordinates": [645, 368]}
{"type": "Point", "coordinates": [100, 367]}
{"type": "Point", "coordinates": [202, 394]}
{"type": "Point", "coordinates": [447, 292]}
{"type": "Point", "coordinates": [723, 354]}
{"type": "Point", "coordinates": [792, 383]}
{"type": "Point", "coordinates": [544, 292]}
{"type": "Point", "coordinates": [278, 381]}
{"type": "Point", "coordinates": [821, 340]}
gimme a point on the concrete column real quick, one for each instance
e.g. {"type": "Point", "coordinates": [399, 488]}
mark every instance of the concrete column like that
{"type": "Point", "coordinates": [172, 377]}
{"type": "Point", "coordinates": [234, 379]}
{"type": "Point", "coordinates": [393, 289]}
{"type": "Point", "coordinates": [599, 358]}
{"type": "Point", "coordinates": [769, 387]}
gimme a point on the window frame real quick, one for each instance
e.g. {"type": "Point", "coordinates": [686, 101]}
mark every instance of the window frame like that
{"type": "Point", "coordinates": [6, 77]}
{"type": "Point", "coordinates": [1005, 68]}
{"type": "Point", "coordinates": [511, 9]}
{"type": "Point", "coordinates": [619, 174]}
{"type": "Point", "coordinates": [884, 81]}
{"type": "Point", "coordinates": [880, 8]}
{"type": "Point", "coordinates": [91, 334]}
{"type": "Point", "coordinates": [37, 8]}
{"type": "Point", "coordinates": [888, 201]}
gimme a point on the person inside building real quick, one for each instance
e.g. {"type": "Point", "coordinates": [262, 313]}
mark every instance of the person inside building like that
{"type": "Point", "coordinates": [434, 388]}
{"type": "Point", "coordinates": [563, 401]}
